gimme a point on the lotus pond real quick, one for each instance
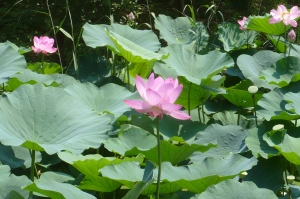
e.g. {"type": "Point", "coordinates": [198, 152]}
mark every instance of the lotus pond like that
{"type": "Point", "coordinates": [171, 110]}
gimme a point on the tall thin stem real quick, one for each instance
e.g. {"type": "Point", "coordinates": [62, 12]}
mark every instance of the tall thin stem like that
{"type": "Point", "coordinates": [254, 108]}
{"type": "Point", "coordinates": [42, 63]}
{"type": "Point", "coordinates": [128, 77]}
{"type": "Point", "coordinates": [189, 100]}
{"type": "Point", "coordinates": [203, 113]}
{"type": "Point", "coordinates": [32, 154]}
{"type": "Point", "coordinates": [159, 158]}
{"type": "Point", "coordinates": [199, 114]}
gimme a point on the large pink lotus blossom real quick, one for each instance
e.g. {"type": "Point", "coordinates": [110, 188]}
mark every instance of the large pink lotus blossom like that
{"type": "Point", "coordinates": [159, 96]}
{"type": "Point", "coordinates": [43, 45]}
{"type": "Point", "coordinates": [287, 17]}
{"type": "Point", "coordinates": [242, 23]}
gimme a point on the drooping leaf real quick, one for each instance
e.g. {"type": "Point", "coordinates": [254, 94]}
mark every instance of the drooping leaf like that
{"type": "Point", "coordinates": [251, 66]}
{"type": "Point", "coordinates": [57, 190]}
{"type": "Point", "coordinates": [14, 195]}
{"type": "Point", "coordinates": [108, 99]}
{"type": "Point", "coordinates": [233, 38]}
{"type": "Point", "coordinates": [272, 106]}
{"type": "Point", "coordinates": [195, 67]}
{"type": "Point", "coordinates": [96, 36]}
{"type": "Point", "coordinates": [50, 120]}
{"type": "Point", "coordinates": [234, 189]}
{"type": "Point", "coordinates": [11, 62]}
{"type": "Point", "coordinates": [13, 183]}
{"type": "Point", "coordinates": [261, 24]}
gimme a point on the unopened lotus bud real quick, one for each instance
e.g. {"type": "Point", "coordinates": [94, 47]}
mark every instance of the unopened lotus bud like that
{"type": "Point", "coordinates": [290, 179]}
{"type": "Point", "coordinates": [131, 16]}
{"type": "Point", "coordinates": [253, 89]}
{"type": "Point", "coordinates": [278, 127]}
{"type": "Point", "coordinates": [291, 36]}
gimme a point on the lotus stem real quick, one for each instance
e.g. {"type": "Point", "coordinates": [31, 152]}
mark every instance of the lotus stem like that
{"type": "Point", "coordinates": [189, 99]}
{"type": "Point", "coordinates": [128, 77]}
{"type": "Point", "coordinates": [254, 108]}
{"type": "Point", "coordinates": [42, 63]}
{"type": "Point", "coordinates": [159, 158]}
{"type": "Point", "coordinates": [32, 154]}
{"type": "Point", "coordinates": [199, 114]}
{"type": "Point", "coordinates": [296, 122]}
{"type": "Point", "coordinates": [202, 107]}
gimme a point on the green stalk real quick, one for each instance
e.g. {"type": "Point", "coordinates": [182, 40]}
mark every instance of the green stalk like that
{"type": "Point", "coordinates": [32, 154]}
{"type": "Point", "coordinates": [277, 43]}
{"type": "Point", "coordinates": [128, 77]}
{"type": "Point", "coordinates": [254, 109]}
{"type": "Point", "coordinates": [159, 158]}
{"type": "Point", "coordinates": [203, 112]}
{"type": "Point", "coordinates": [199, 114]}
{"type": "Point", "coordinates": [189, 100]}
{"type": "Point", "coordinates": [296, 122]}
{"type": "Point", "coordinates": [42, 63]}
{"type": "Point", "coordinates": [247, 39]}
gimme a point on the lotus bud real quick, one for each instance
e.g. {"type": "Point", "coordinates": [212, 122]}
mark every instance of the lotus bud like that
{"type": "Point", "coordinates": [290, 179]}
{"type": "Point", "coordinates": [253, 89]}
{"type": "Point", "coordinates": [291, 36]}
{"type": "Point", "coordinates": [131, 16]}
{"type": "Point", "coordinates": [243, 174]}
{"type": "Point", "coordinates": [278, 127]}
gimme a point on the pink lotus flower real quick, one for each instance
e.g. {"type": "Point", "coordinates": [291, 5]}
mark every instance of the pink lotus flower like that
{"type": "Point", "coordinates": [291, 36]}
{"type": "Point", "coordinates": [131, 16]}
{"type": "Point", "coordinates": [287, 17]}
{"type": "Point", "coordinates": [242, 23]}
{"type": "Point", "coordinates": [43, 45]}
{"type": "Point", "coordinates": [159, 96]}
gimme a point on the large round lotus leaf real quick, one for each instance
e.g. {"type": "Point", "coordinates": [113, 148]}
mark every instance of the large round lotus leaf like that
{"type": "Point", "coordinates": [251, 66]}
{"type": "Point", "coordinates": [133, 52]}
{"type": "Point", "coordinates": [108, 99]}
{"type": "Point", "coordinates": [4, 171]}
{"type": "Point", "coordinates": [11, 62]}
{"type": "Point", "coordinates": [96, 36]}
{"type": "Point", "coordinates": [272, 106]}
{"type": "Point", "coordinates": [234, 189]}
{"type": "Point", "coordinates": [48, 119]}
{"type": "Point", "coordinates": [16, 156]}
{"type": "Point", "coordinates": [230, 139]}
{"type": "Point", "coordinates": [288, 146]}
{"type": "Point", "coordinates": [193, 95]}
{"type": "Point", "coordinates": [293, 99]}
{"type": "Point", "coordinates": [233, 38]}
{"type": "Point", "coordinates": [57, 190]}
{"type": "Point", "coordinates": [198, 176]}
{"type": "Point", "coordinates": [195, 67]}
{"type": "Point", "coordinates": [267, 174]}
{"type": "Point", "coordinates": [261, 24]}
{"type": "Point", "coordinates": [230, 118]}
{"type": "Point", "coordinates": [12, 182]}
{"type": "Point", "coordinates": [181, 31]}
{"type": "Point", "coordinates": [283, 71]}
{"type": "Point", "coordinates": [46, 68]}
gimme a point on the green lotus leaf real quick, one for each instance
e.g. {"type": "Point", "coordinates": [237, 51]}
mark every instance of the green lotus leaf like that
{"type": "Point", "coordinates": [56, 176]}
{"type": "Point", "coordinates": [57, 190]}
{"type": "Point", "coordinates": [261, 24]}
{"type": "Point", "coordinates": [11, 62]}
{"type": "Point", "coordinates": [47, 68]}
{"type": "Point", "coordinates": [181, 31]}
{"type": "Point", "coordinates": [230, 118]}
{"type": "Point", "coordinates": [13, 183]}
{"type": "Point", "coordinates": [142, 69]}
{"type": "Point", "coordinates": [128, 173]}
{"type": "Point", "coordinates": [288, 146]}
{"type": "Point", "coordinates": [14, 195]}
{"type": "Point", "coordinates": [266, 174]}
{"type": "Point", "coordinates": [133, 52]}
{"type": "Point", "coordinates": [4, 171]}
{"type": "Point", "coordinates": [48, 119]}
{"type": "Point", "coordinates": [180, 130]}
{"type": "Point", "coordinates": [251, 66]}
{"type": "Point", "coordinates": [272, 106]}
{"type": "Point", "coordinates": [293, 101]}
{"type": "Point", "coordinates": [16, 156]}
{"type": "Point", "coordinates": [200, 175]}
{"type": "Point", "coordinates": [240, 96]}
{"type": "Point", "coordinates": [196, 95]}
{"type": "Point", "coordinates": [283, 71]}
{"type": "Point", "coordinates": [230, 139]}
{"type": "Point", "coordinates": [257, 145]}
{"type": "Point", "coordinates": [99, 183]}
{"type": "Point", "coordinates": [108, 99]}
{"type": "Point", "coordinates": [234, 189]}
{"type": "Point", "coordinates": [195, 67]}
{"type": "Point", "coordinates": [233, 38]}
{"type": "Point", "coordinates": [96, 36]}
{"type": "Point", "coordinates": [137, 190]}
{"type": "Point", "coordinates": [279, 43]}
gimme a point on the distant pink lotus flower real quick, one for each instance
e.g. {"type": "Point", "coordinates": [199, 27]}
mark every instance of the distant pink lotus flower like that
{"type": "Point", "coordinates": [242, 23]}
{"type": "Point", "coordinates": [159, 96]}
{"type": "Point", "coordinates": [131, 16]}
{"type": "Point", "coordinates": [43, 45]}
{"type": "Point", "coordinates": [287, 17]}
{"type": "Point", "coordinates": [292, 36]}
